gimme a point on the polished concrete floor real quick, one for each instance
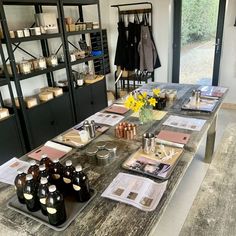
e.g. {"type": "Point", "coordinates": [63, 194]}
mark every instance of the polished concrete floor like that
{"type": "Point", "coordinates": [173, 218]}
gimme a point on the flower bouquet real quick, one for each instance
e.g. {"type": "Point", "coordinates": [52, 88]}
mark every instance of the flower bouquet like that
{"type": "Point", "coordinates": [143, 103]}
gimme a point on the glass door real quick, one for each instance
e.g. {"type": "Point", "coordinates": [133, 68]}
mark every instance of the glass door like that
{"type": "Point", "coordinates": [198, 29]}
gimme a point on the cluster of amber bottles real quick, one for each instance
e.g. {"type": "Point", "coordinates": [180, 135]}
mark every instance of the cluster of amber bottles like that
{"type": "Point", "coordinates": [45, 186]}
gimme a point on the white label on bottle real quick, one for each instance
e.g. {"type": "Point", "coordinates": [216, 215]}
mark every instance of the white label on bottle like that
{"type": "Point", "coordinates": [76, 187]}
{"type": "Point", "coordinates": [43, 200]}
{"type": "Point", "coordinates": [67, 181]}
{"type": "Point", "coordinates": [28, 196]}
{"type": "Point", "coordinates": [51, 210]}
{"type": "Point", "coordinates": [56, 176]}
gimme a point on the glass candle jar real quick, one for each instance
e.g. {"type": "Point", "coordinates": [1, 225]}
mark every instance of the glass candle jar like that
{"type": "Point", "coordinates": [25, 67]}
{"type": "Point", "coordinates": [53, 61]}
{"type": "Point", "coordinates": [42, 63]}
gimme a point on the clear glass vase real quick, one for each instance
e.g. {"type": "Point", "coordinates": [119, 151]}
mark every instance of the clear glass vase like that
{"type": "Point", "coordinates": [145, 114]}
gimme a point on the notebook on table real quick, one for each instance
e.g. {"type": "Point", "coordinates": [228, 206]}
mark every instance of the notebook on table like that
{"type": "Point", "coordinates": [51, 149]}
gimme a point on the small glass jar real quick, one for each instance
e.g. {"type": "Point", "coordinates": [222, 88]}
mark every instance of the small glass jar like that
{"type": "Point", "coordinates": [100, 145]}
{"type": "Point", "coordinates": [112, 148]}
{"type": "Point", "coordinates": [91, 153]}
{"type": "Point", "coordinates": [103, 157]}
{"type": "Point", "coordinates": [42, 63]}
{"type": "Point", "coordinates": [52, 60]}
{"type": "Point", "coordinates": [25, 67]}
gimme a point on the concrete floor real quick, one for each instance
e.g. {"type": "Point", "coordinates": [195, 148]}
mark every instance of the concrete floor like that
{"type": "Point", "coordinates": [172, 220]}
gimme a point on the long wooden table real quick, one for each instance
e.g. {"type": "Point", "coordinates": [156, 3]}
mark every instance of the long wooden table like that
{"type": "Point", "coordinates": [106, 217]}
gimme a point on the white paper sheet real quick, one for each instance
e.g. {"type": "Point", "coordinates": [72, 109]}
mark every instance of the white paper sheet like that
{"type": "Point", "coordinates": [137, 191]}
{"type": "Point", "coordinates": [106, 118]}
{"type": "Point", "coordinates": [185, 123]}
{"type": "Point", "coordinates": [8, 171]}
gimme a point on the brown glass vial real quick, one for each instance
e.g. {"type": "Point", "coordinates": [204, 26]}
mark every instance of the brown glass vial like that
{"type": "Point", "coordinates": [43, 172]}
{"type": "Point", "coordinates": [30, 194]}
{"type": "Point", "coordinates": [42, 194]}
{"type": "Point", "coordinates": [33, 169]}
{"type": "Point", "coordinates": [55, 206]}
{"type": "Point", "coordinates": [45, 160]}
{"type": "Point", "coordinates": [56, 173]}
{"type": "Point", "coordinates": [19, 184]}
{"type": "Point", "coordinates": [81, 185]}
{"type": "Point", "coordinates": [68, 175]}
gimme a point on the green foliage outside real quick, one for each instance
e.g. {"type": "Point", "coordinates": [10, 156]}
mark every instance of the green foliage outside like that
{"type": "Point", "coordinates": [199, 20]}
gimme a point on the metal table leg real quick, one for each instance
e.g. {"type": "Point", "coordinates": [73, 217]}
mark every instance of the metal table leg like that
{"type": "Point", "coordinates": [210, 142]}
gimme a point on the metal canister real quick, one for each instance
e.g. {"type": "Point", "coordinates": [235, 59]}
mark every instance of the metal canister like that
{"type": "Point", "coordinates": [112, 148]}
{"type": "Point", "coordinates": [100, 145]}
{"type": "Point", "coordinates": [92, 129]}
{"type": "Point", "coordinates": [91, 153]}
{"type": "Point", "coordinates": [86, 127]}
{"type": "Point", "coordinates": [103, 157]}
{"type": "Point", "coordinates": [198, 96]}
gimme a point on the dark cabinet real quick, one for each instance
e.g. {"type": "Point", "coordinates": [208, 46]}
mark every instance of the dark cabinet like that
{"type": "Point", "coordinates": [90, 99]}
{"type": "Point", "coordinates": [49, 119]}
{"type": "Point", "coordinates": [10, 140]}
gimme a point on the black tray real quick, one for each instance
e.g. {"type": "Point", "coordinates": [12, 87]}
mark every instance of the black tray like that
{"type": "Point", "coordinates": [73, 208]}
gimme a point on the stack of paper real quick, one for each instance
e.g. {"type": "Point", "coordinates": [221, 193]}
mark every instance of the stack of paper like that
{"type": "Point", "coordinates": [8, 171]}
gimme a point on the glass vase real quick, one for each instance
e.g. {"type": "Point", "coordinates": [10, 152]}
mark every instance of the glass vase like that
{"type": "Point", "coordinates": [145, 114]}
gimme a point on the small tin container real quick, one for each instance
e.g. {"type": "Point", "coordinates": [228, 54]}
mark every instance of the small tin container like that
{"type": "Point", "coordinates": [86, 127]}
{"type": "Point", "coordinates": [100, 145]}
{"type": "Point", "coordinates": [103, 157]}
{"type": "Point", "coordinates": [112, 149]}
{"type": "Point", "coordinates": [91, 153]}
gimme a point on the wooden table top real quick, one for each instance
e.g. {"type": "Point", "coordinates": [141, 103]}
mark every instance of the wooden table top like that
{"type": "Point", "coordinates": [107, 217]}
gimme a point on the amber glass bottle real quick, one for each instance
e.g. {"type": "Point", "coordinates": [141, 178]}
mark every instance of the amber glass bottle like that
{"type": "Point", "coordinates": [81, 185]}
{"type": "Point", "coordinates": [19, 184]}
{"type": "Point", "coordinates": [56, 173]}
{"type": "Point", "coordinates": [33, 169]}
{"type": "Point", "coordinates": [43, 173]}
{"type": "Point", "coordinates": [43, 193]}
{"type": "Point", "coordinates": [68, 174]}
{"type": "Point", "coordinates": [55, 206]}
{"type": "Point", "coordinates": [30, 194]}
{"type": "Point", "coordinates": [45, 160]}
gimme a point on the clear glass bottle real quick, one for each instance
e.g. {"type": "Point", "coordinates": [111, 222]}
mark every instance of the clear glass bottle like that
{"type": "Point", "coordinates": [81, 185]}
{"type": "Point", "coordinates": [42, 194]}
{"type": "Point", "coordinates": [55, 206]}
{"type": "Point", "coordinates": [30, 194]}
{"type": "Point", "coordinates": [19, 185]}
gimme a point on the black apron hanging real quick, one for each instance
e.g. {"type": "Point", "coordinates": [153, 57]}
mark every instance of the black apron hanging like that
{"type": "Point", "coordinates": [122, 45]}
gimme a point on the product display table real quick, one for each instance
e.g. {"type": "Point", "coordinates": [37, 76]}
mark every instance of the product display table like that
{"type": "Point", "coordinates": [107, 217]}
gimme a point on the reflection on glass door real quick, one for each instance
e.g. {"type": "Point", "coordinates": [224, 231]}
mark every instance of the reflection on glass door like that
{"type": "Point", "coordinates": [198, 37]}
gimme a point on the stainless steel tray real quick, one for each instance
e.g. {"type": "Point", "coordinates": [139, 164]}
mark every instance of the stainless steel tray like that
{"type": "Point", "coordinates": [73, 208]}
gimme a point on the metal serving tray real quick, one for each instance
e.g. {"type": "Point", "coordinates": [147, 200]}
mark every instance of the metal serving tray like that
{"type": "Point", "coordinates": [73, 208]}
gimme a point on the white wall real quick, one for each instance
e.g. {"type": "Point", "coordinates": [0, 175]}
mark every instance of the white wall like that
{"type": "Point", "coordinates": [228, 58]}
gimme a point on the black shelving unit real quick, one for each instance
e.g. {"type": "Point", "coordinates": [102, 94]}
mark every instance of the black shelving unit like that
{"type": "Point", "coordinates": [11, 138]}
{"type": "Point", "coordinates": [34, 119]}
{"type": "Point", "coordinates": [46, 120]}
{"type": "Point", "coordinates": [91, 98]}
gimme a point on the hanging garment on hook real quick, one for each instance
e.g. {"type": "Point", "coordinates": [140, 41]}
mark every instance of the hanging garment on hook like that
{"type": "Point", "coordinates": [121, 57]}
{"type": "Point", "coordinates": [147, 50]}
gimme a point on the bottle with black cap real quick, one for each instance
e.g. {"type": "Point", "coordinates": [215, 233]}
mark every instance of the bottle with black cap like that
{"type": "Point", "coordinates": [56, 172]}
{"type": "Point", "coordinates": [81, 185]}
{"type": "Point", "coordinates": [43, 172]}
{"type": "Point", "coordinates": [43, 193]}
{"type": "Point", "coordinates": [19, 184]}
{"type": "Point", "coordinates": [68, 174]}
{"type": "Point", "coordinates": [55, 206]}
{"type": "Point", "coordinates": [45, 160]}
{"type": "Point", "coordinates": [33, 169]}
{"type": "Point", "coordinates": [30, 194]}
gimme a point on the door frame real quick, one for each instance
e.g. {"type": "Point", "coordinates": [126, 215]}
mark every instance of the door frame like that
{"type": "Point", "coordinates": [177, 41]}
